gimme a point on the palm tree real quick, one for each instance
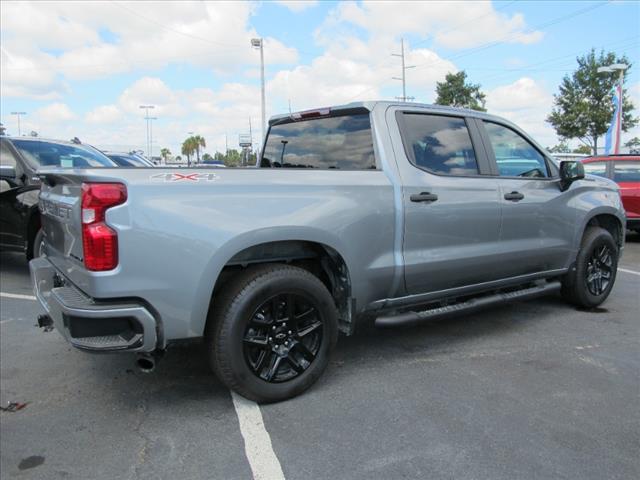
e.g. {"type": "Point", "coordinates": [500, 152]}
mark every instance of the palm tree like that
{"type": "Point", "coordinates": [188, 147]}
{"type": "Point", "coordinates": [164, 153]}
{"type": "Point", "coordinates": [198, 142]}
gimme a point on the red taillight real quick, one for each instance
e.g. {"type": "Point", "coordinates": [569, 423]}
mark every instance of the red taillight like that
{"type": "Point", "coordinates": [99, 241]}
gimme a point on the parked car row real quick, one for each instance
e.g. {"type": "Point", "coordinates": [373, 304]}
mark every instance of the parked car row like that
{"type": "Point", "coordinates": [20, 159]}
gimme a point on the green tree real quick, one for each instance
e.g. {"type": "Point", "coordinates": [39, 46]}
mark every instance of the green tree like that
{"type": "Point", "coordinates": [456, 92]}
{"type": "Point", "coordinates": [233, 158]}
{"type": "Point", "coordinates": [188, 149]}
{"type": "Point", "coordinates": [198, 142]}
{"type": "Point", "coordinates": [164, 153]}
{"type": "Point", "coordinates": [207, 158]}
{"type": "Point", "coordinates": [562, 147]}
{"type": "Point", "coordinates": [633, 145]}
{"type": "Point", "coordinates": [584, 149]}
{"type": "Point", "coordinates": [583, 107]}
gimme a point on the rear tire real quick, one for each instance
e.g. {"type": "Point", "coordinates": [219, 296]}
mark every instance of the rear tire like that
{"type": "Point", "coordinates": [37, 245]}
{"type": "Point", "coordinates": [271, 331]}
{"type": "Point", "coordinates": [591, 281]}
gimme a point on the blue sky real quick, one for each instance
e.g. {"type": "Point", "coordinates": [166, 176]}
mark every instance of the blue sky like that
{"type": "Point", "coordinates": [83, 68]}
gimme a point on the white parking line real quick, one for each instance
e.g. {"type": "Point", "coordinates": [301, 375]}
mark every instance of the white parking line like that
{"type": "Point", "coordinates": [17, 296]}
{"type": "Point", "coordinates": [2, 322]}
{"type": "Point", "coordinates": [632, 272]}
{"type": "Point", "coordinates": [257, 443]}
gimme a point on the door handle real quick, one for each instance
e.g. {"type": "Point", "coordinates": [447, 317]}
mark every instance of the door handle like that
{"type": "Point", "coordinates": [514, 196]}
{"type": "Point", "coordinates": [424, 197]}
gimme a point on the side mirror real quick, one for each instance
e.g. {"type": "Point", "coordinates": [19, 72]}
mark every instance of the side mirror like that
{"type": "Point", "coordinates": [569, 173]}
{"type": "Point", "coordinates": [7, 171]}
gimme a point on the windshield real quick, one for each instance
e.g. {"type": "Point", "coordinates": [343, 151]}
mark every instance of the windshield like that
{"type": "Point", "coordinates": [49, 154]}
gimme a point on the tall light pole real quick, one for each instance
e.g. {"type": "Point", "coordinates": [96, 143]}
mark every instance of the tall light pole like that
{"type": "Point", "coordinates": [404, 97]}
{"type": "Point", "coordinates": [147, 118]}
{"type": "Point", "coordinates": [18, 114]}
{"type": "Point", "coordinates": [616, 67]}
{"type": "Point", "coordinates": [259, 43]}
{"type": "Point", "coordinates": [150, 120]}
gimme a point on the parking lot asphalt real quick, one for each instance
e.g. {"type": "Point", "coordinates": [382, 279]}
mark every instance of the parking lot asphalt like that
{"type": "Point", "coordinates": [528, 390]}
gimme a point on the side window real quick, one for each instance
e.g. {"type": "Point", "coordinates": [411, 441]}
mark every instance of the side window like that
{"type": "Point", "coordinates": [515, 156]}
{"type": "Point", "coordinates": [596, 168]}
{"type": "Point", "coordinates": [439, 144]}
{"type": "Point", "coordinates": [627, 172]}
{"type": "Point", "coordinates": [6, 156]}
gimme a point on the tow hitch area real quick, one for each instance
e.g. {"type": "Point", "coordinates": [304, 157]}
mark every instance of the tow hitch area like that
{"type": "Point", "coordinates": [45, 322]}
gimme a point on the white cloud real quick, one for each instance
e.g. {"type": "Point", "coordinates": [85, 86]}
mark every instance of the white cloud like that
{"type": "Point", "coordinates": [297, 5]}
{"type": "Point", "coordinates": [104, 38]}
{"type": "Point", "coordinates": [452, 24]}
{"type": "Point", "coordinates": [54, 113]}
{"type": "Point", "coordinates": [104, 114]}
{"type": "Point", "coordinates": [527, 104]}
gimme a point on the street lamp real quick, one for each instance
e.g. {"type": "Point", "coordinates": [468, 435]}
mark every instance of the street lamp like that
{"type": "Point", "coordinates": [18, 114]}
{"type": "Point", "coordinates": [148, 119]}
{"type": "Point", "coordinates": [616, 67]}
{"type": "Point", "coordinates": [259, 43]}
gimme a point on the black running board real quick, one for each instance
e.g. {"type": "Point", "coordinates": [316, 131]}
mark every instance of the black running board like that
{"type": "Point", "coordinates": [471, 305]}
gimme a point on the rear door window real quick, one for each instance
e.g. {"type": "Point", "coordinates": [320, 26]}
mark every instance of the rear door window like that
{"type": "Point", "coordinates": [596, 168]}
{"type": "Point", "coordinates": [515, 156]}
{"type": "Point", "coordinates": [627, 172]}
{"type": "Point", "coordinates": [341, 142]}
{"type": "Point", "coordinates": [439, 144]}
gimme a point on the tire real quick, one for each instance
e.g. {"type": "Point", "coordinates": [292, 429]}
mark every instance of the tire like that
{"type": "Point", "coordinates": [251, 351]}
{"type": "Point", "coordinates": [35, 249]}
{"type": "Point", "coordinates": [598, 254]}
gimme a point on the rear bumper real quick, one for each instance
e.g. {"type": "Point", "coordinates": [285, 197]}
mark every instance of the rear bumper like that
{"type": "Point", "coordinates": [89, 324]}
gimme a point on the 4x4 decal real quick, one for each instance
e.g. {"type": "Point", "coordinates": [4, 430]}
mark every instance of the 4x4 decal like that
{"type": "Point", "coordinates": [185, 177]}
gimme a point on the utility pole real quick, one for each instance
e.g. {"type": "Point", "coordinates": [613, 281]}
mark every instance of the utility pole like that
{"type": "Point", "coordinates": [403, 79]}
{"type": "Point", "coordinates": [18, 114]}
{"type": "Point", "coordinates": [259, 43]}
{"type": "Point", "coordinates": [147, 118]}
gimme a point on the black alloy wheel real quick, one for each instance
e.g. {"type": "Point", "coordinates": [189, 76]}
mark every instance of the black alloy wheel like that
{"type": "Point", "coordinates": [271, 331]}
{"type": "Point", "coordinates": [283, 337]}
{"type": "Point", "coordinates": [599, 270]}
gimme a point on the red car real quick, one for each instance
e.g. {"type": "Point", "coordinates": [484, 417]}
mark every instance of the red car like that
{"type": "Point", "coordinates": [625, 171]}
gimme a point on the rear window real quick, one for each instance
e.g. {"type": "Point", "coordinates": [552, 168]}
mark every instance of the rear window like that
{"type": "Point", "coordinates": [48, 154]}
{"type": "Point", "coordinates": [340, 142]}
{"type": "Point", "coordinates": [439, 144]}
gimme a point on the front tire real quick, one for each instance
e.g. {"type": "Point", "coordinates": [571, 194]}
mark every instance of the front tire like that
{"type": "Point", "coordinates": [592, 279]}
{"type": "Point", "coordinates": [271, 331]}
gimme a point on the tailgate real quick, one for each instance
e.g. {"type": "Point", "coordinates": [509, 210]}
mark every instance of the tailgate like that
{"type": "Point", "coordinates": [60, 207]}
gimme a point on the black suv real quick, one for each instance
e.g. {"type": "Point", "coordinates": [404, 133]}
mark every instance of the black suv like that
{"type": "Point", "coordinates": [20, 159]}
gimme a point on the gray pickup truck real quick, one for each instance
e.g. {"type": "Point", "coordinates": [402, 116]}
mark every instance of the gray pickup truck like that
{"type": "Point", "coordinates": [388, 212]}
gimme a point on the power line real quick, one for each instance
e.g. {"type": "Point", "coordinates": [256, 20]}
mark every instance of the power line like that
{"type": "Point", "coordinates": [171, 29]}
{"type": "Point", "coordinates": [506, 38]}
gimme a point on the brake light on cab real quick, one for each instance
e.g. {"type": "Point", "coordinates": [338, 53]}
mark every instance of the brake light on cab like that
{"type": "Point", "coordinates": [99, 241]}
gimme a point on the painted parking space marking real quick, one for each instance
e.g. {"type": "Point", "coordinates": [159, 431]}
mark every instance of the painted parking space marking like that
{"type": "Point", "coordinates": [632, 272]}
{"type": "Point", "coordinates": [2, 322]}
{"type": "Point", "coordinates": [17, 296]}
{"type": "Point", "coordinates": [257, 442]}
